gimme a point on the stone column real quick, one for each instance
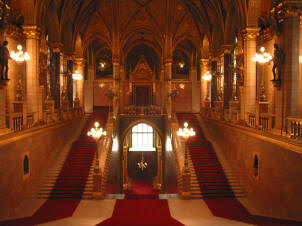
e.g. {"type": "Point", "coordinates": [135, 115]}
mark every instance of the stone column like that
{"type": "Point", "coordinates": [32, 76]}
{"type": "Point", "coordinates": [168, 86]}
{"type": "Point", "coordinates": [116, 87]}
{"type": "Point", "coordinates": [125, 174]}
{"type": "Point", "coordinates": [88, 86]}
{"type": "Point", "coordinates": [195, 90]}
{"type": "Point", "coordinates": [159, 168]}
{"type": "Point", "coordinates": [3, 85]}
{"type": "Point", "coordinates": [80, 83]}
{"type": "Point", "coordinates": [228, 77]}
{"type": "Point", "coordinates": [300, 67]}
{"type": "Point", "coordinates": [204, 83]}
{"type": "Point", "coordinates": [213, 82]}
{"type": "Point", "coordinates": [289, 41]}
{"type": "Point", "coordinates": [249, 90]}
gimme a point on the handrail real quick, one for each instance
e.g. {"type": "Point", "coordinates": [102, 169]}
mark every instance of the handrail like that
{"type": "Point", "coordinates": [105, 155]}
{"type": "Point", "coordinates": [178, 151]}
{"type": "Point", "coordinates": [295, 127]}
{"type": "Point", "coordinates": [151, 110]}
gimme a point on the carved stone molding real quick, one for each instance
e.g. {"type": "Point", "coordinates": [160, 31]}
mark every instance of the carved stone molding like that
{"type": "Point", "coordinates": [79, 60]}
{"type": "Point", "coordinates": [56, 46]}
{"type": "Point", "coordinates": [31, 31]}
{"type": "Point", "coordinates": [13, 32]}
{"type": "Point", "coordinates": [204, 62]}
{"type": "Point", "coordinates": [250, 33]}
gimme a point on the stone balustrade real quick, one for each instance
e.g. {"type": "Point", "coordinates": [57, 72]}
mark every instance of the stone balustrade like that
{"type": "Point", "coordinates": [295, 127]}
{"type": "Point", "coordinates": [151, 110]}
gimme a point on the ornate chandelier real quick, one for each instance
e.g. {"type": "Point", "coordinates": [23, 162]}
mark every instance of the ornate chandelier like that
{"type": "Point", "coordinates": [142, 164]}
{"type": "Point", "coordinates": [96, 132]}
{"type": "Point", "coordinates": [207, 76]}
{"type": "Point", "coordinates": [186, 132]}
{"type": "Point", "coordinates": [19, 56]}
{"type": "Point", "coordinates": [262, 57]}
{"type": "Point", "coordinates": [77, 76]}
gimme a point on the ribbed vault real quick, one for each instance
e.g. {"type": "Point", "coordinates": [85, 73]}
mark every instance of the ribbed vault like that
{"type": "Point", "coordinates": [117, 24]}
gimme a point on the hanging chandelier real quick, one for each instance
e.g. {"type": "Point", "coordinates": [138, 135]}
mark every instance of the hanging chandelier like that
{"type": "Point", "coordinates": [19, 56]}
{"type": "Point", "coordinates": [77, 76]}
{"type": "Point", "coordinates": [262, 57]}
{"type": "Point", "coordinates": [207, 76]}
{"type": "Point", "coordinates": [142, 164]}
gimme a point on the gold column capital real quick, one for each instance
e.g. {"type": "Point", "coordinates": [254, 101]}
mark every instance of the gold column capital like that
{"type": "Point", "coordinates": [31, 31]}
{"type": "Point", "coordinates": [204, 61]}
{"type": "Point", "coordinates": [79, 60]}
{"type": "Point", "coordinates": [250, 33]}
{"type": "Point", "coordinates": [56, 46]}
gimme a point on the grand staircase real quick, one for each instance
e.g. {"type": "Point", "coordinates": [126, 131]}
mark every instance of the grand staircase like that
{"type": "Point", "coordinates": [71, 177]}
{"type": "Point", "coordinates": [209, 179]}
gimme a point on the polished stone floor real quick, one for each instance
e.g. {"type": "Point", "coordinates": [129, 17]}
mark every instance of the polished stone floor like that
{"type": "Point", "coordinates": [90, 212]}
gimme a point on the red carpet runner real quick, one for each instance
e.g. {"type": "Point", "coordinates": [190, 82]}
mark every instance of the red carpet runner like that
{"type": "Point", "coordinates": [213, 182]}
{"type": "Point", "coordinates": [141, 208]}
{"type": "Point", "coordinates": [70, 184]}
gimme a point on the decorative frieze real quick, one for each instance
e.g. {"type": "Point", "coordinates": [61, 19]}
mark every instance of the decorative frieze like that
{"type": "Point", "coordinates": [250, 33]}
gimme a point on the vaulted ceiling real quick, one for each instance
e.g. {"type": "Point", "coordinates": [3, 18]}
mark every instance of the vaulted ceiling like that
{"type": "Point", "coordinates": [120, 24]}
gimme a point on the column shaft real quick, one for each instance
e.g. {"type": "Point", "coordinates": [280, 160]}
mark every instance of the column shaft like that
{"type": "Point", "coordinates": [249, 91]}
{"type": "Point", "coordinates": [32, 76]}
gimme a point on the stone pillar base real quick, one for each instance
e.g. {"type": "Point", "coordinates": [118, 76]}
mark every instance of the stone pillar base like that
{"type": "Point", "coordinates": [97, 188]}
{"type": "Point", "coordinates": [125, 187]}
{"type": "Point", "coordinates": [186, 183]}
{"type": "Point", "coordinates": [185, 195]}
{"type": "Point", "coordinates": [158, 186]}
{"type": "Point", "coordinates": [97, 195]}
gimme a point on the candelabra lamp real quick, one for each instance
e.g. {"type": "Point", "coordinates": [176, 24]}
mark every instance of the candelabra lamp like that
{"type": "Point", "coordinates": [97, 133]}
{"type": "Point", "coordinates": [186, 174]}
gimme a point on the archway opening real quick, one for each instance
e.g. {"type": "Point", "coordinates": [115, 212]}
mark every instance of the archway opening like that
{"type": "Point", "coordinates": [143, 142]}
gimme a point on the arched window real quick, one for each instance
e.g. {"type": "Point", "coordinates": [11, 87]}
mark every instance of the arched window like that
{"type": "Point", "coordinates": [26, 165]}
{"type": "Point", "coordinates": [142, 138]}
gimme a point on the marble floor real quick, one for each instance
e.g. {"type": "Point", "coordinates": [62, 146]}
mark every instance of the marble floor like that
{"type": "Point", "coordinates": [91, 212]}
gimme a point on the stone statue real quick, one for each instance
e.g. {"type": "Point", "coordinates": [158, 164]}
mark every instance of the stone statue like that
{"type": "Point", "coordinates": [278, 60]}
{"type": "Point", "coordinates": [4, 56]}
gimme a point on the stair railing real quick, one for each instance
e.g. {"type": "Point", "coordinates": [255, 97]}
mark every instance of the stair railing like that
{"type": "Point", "coordinates": [178, 151]}
{"type": "Point", "coordinates": [105, 149]}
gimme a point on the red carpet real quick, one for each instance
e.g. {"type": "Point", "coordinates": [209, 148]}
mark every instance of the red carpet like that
{"type": "Point", "coordinates": [70, 184]}
{"type": "Point", "coordinates": [213, 182]}
{"type": "Point", "coordinates": [141, 207]}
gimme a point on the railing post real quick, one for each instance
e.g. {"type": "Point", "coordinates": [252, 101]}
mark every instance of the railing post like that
{"type": "Point", "coordinates": [159, 173]}
{"type": "Point", "coordinates": [125, 174]}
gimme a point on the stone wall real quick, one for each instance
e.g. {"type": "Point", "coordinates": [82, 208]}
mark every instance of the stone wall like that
{"type": "Point", "coordinates": [42, 146]}
{"type": "Point", "coordinates": [276, 191]}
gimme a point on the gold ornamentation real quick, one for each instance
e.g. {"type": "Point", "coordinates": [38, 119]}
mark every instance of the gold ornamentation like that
{"type": "Point", "coordinates": [250, 34]}
{"type": "Point", "coordinates": [31, 32]}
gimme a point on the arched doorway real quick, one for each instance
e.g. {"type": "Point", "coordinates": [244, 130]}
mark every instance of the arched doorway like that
{"type": "Point", "coordinates": [142, 152]}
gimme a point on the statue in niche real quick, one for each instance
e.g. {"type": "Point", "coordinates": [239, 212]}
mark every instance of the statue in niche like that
{"type": "Point", "coordinates": [4, 56]}
{"type": "Point", "coordinates": [278, 60]}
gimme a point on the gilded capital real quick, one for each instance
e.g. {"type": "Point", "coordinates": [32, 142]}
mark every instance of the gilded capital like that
{"type": "Point", "coordinates": [31, 31]}
{"type": "Point", "coordinates": [250, 33]}
{"type": "Point", "coordinates": [79, 60]}
{"type": "Point", "coordinates": [56, 46]}
{"type": "Point", "coordinates": [227, 48]}
{"type": "Point", "coordinates": [204, 61]}
{"type": "Point", "coordinates": [292, 8]}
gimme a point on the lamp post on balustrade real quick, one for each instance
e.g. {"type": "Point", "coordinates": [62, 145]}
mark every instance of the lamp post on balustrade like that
{"type": "Point", "coordinates": [186, 174]}
{"type": "Point", "coordinates": [97, 133]}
